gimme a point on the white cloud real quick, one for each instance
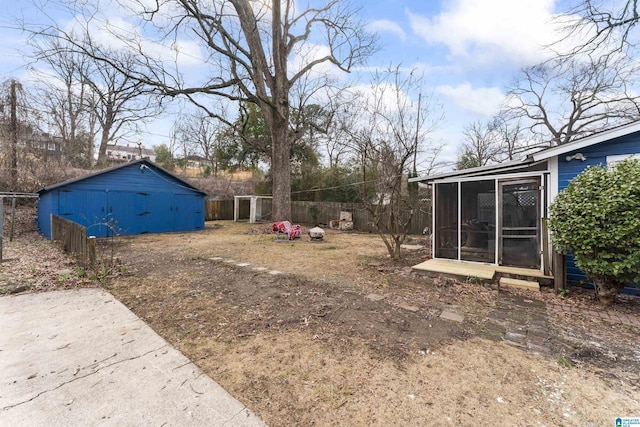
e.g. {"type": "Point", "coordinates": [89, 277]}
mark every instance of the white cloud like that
{"type": "Point", "coordinates": [382, 97]}
{"type": "Point", "coordinates": [418, 68]}
{"type": "Point", "coordinates": [305, 53]}
{"type": "Point", "coordinates": [491, 31]}
{"type": "Point", "coordinates": [480, 101]}
{"type": "Point", "coordinates": [387, 26]}
{"type": "Point", "coordinates": [12, 54]}
{"type": "Point", "coordinates": [117, 33]}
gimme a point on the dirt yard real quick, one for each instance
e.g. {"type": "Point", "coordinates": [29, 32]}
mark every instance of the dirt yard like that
{"type": "Point", "coordinates": [344, 336]}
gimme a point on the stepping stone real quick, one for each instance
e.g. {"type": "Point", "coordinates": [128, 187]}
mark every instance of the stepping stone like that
{"type": "Point", "coordinates": [216, 258]}
{"type": "Point", "coordinates": [230, 261]}
{"type": "Point", "coordinates": [13, 288]}
{"type": "Point", "coordinates": [450, 315]}
{"type": "Point", "coordinates": [515, 344]}
{"type": "Point", "coordinates": [243, 264]}
{"type": "Point", "coordinates": [515, 337]}
{"type": "Point", "coordinates": [519, 284]}
{"type": "Point", "coordinates": [408, 307]}
{"type": "Point", "coordinates": [540, 349]}
{"type": "Point", "coordinates": [375, 297]}
{"type": "Point", "coordinates": [412, 247]}
{"type": "Point", "coordinates": [275, 272]}
{"type": "Point", "coordinates": [259, 268]}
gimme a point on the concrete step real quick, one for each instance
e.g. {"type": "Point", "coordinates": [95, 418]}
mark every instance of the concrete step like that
{"type": "Point", "coordinates": [519, 284]}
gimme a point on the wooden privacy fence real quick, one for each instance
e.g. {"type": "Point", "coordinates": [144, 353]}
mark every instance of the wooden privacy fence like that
{"type": "Point", "coordinates": [218, 210]}
{"type": "Point", "coordinates": [74, 240]}
{"type": "Point", "coordinates": [325, 212]}
{"type": "Point", "coordinates": [302, 212]}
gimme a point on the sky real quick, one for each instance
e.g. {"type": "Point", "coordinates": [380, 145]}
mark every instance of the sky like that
{"type": "Point", "coordinates": [468, 50]}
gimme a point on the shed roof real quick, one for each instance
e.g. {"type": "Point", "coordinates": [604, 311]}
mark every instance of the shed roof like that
{"type": "Point", "coordinates": [146, 162]}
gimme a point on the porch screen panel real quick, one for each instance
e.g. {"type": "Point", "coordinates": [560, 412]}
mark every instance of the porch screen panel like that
{"type": "Point", "coordinates": [478, 221]}
{"type": "Point", "coordinates": [446, 221]}
{"type": "Point", "coordinates": [520, 232]}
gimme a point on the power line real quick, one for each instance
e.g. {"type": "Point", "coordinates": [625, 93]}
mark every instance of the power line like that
{"type": "Point", "coordinates": [340, 186]}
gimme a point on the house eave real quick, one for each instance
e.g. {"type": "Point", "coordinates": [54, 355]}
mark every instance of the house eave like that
{"type": "Point", "coordinates": [587, 141]}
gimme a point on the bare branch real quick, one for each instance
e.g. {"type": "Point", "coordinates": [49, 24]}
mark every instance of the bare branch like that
{"type": "Point", "coordinates": [565, 99]}
{"type": "Point", "coordinates": [602, 26]}
{"type": "Point", "coordinates": [247, 47]}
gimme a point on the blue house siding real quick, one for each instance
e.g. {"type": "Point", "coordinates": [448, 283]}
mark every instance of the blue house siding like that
{"type": "Point", "coordinates": [135, 198]}
{"type": "Point", "coordinates": [595, 155]}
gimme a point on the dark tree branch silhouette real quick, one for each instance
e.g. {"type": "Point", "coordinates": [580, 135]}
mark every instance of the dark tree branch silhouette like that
{"type": "Point", "coordinates": [247, 48]}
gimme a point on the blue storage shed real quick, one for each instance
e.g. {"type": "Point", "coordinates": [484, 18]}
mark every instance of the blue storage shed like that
{"type": "Point", "coordinates": [132, 198]}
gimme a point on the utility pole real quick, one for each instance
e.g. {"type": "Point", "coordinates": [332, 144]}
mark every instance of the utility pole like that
{"type": "Point", "coordinates": [417, 141]}
{"type": "Point", "coordinates": [13, 132]}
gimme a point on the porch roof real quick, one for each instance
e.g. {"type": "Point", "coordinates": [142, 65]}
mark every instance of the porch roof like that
{"type": "Point", "coordinates": [481, 170]}
{"type": "Point", "coordinates": [542, 155]}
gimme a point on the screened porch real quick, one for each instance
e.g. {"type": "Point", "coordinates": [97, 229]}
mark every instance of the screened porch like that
{"type": "Point", "coordinates": [489, 220]}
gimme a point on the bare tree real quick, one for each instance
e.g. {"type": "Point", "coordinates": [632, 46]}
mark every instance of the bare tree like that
{"type": "Point", "coordinates": [63, 98]}
{"type": "Point", "coordinates": [17, 126]}
{"type": "Point", "coordinates": [331, 125]}
{"type": "Point", "coordinates": [396, 125]}
{"type": "Point", "coordinates": [566, 99]}
{"type": "Point", "coordinates": [249, 46]}
{"type": "Point", "coordinates": [10, 128]}
{"type": "Point", "coordinates": [602, 26]}
{"type": "Point", "coordinates": [499, 139]}
{"type": "Point", "coordinates": [335, 144]}
{"type": "Point", "coordinates": [200, 134]}
{"type": "Point", "coordinates": [511, 135]}
{"type": "Point", "coordinates": [119, 102]}
{"type": "Point", "coordinates": [102, 92]}
{"type": "Point", "coordinates": [29, 157]}
{"type": "Point", "coordinates": [480, 147]}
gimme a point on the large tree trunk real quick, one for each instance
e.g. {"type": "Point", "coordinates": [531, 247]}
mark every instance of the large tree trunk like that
{"type": "Point", "coordinates": [102, 150]}
{"type": "Point", "coordinates": [280, 143]}
{"type": "Point", "coordinates": [281, 170]}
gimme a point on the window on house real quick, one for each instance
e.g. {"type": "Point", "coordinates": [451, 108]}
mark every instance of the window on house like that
{"type": "Point", "coordinates": [613, 160]}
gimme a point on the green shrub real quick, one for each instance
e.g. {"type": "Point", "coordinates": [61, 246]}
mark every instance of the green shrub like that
{"type": "Point", "coordinates": [597, 219]}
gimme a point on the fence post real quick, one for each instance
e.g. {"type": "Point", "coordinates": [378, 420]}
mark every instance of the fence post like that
{"type": "Point", "coordinates": [91, 246]}
{"type": "Point", "coordinates": [559, 271]}
{"type": "Point", "coordinates": [13, 218]}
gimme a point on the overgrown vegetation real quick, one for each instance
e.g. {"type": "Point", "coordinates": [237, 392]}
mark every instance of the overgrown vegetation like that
{"type": "Point", "coordinates": [597, 220]}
